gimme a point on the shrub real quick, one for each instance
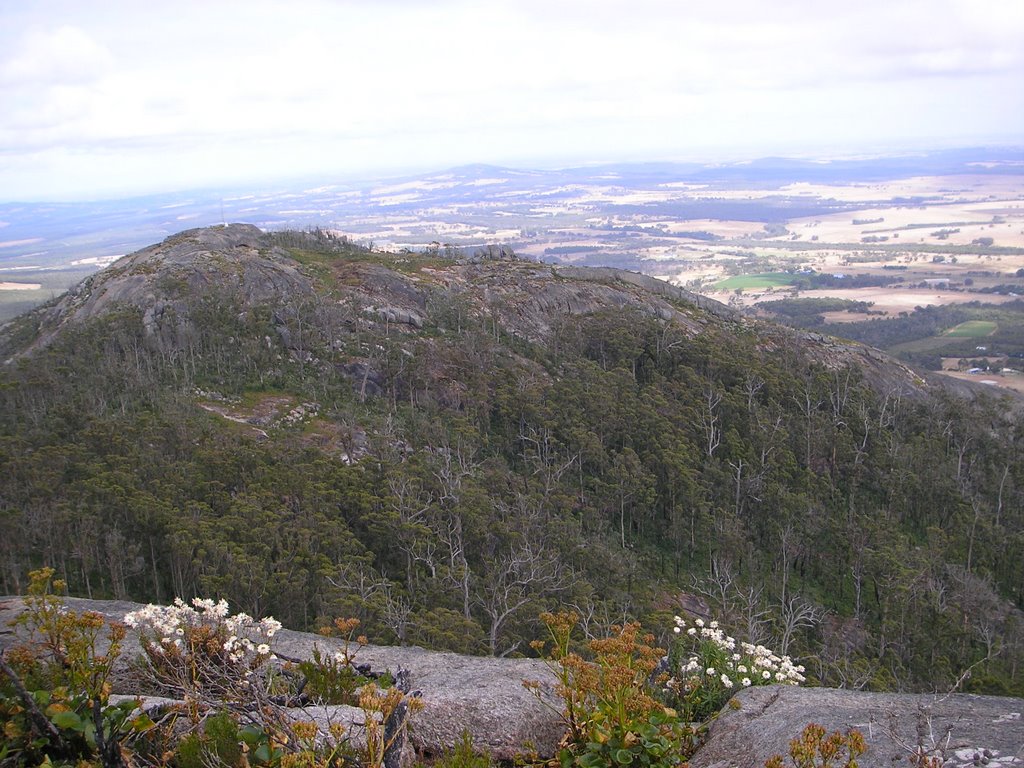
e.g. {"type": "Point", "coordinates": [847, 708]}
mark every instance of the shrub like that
{"type": "Point", "coordinates": [611, 716]}
{"type": "Point", "coordinates": [55, 689]}
{"type": "Point", "coordinates": [219, 744]}
{"type": "Point", "coordinates": [213, 660]}
{"type": "Point", "coordinates": [708, 667]}
{"type": "Point", "coordinates": [813, 749]}
{"type": "Point", "coordinates": [201, 654]}
{"type": "Point", "coordinates": [463, 755]}
{"type": "Point", "coordinates": [335, 678]}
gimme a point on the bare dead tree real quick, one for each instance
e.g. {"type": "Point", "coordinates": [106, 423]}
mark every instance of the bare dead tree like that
{"type": "Point", "coordinates": [718, 585]}
{"type": "Point", "coordinates": [752, 613]}
{"type": "Point", "coordinates": [518, 577]}
{"type": "Point", "coordinates": [411, 502]}
{"type": "Point", "coordinates": [751, 386]}
{"type": "Point", "coordinates": [541, 450]}
{"type": "Point", "coordinates": [710, 419]}
{"type": "Point", "coordinates": [395, 610]}
{"type": "Point", "coordinates": [796, 613]}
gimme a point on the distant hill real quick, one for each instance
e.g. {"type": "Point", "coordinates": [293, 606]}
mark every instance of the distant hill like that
{"type": "Point", "coordinates": [445, 444]}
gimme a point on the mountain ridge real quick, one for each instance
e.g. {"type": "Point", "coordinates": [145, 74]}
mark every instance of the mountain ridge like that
{"type": "Point", "coordinates": [241, 260]}
{"type": "Point", "coordinates": [445, 445]}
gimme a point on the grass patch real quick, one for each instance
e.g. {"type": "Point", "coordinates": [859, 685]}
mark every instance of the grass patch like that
{"type": "Point", "coordinates": [929, 344]}
{"type": "Point", "coordinates": [760, 280]}
{"type": "Point", "coordinates": [972, 329]}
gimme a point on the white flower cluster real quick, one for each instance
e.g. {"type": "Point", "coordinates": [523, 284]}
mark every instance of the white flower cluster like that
{"type": "Point", "coordinates": [165, 628]}
{"type": "Point", "coordinates": [755, 665]}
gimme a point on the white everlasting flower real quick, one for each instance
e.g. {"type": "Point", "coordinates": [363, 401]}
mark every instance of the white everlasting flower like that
{"type": "Point", "coordinates": [745, 682]}
{"type": "Point", "coordinates": [726, 681]}
{"type": "Point", "coordinates": [262, 649]}
{"type": "Point", "coordinates": [710, 671]}
{"type": "Point", "coordinates": [699, 622]}
{"type": "Point", "coordinates": [766, 675]}
{"type": "Point", "coordinates": [677, 630]}
{"type": "Point", "coordinates": [691, 631]}
{"type": "Point", "coordinates": [270, 626]}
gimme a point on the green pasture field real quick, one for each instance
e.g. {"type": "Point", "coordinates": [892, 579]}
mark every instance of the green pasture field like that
{"type": "Point", "coordinates": [761, 280]}
{"type": "Point", "coordinates": [972, 329]}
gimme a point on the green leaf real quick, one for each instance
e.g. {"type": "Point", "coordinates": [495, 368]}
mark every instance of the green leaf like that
{"type": "Point", "coordinates": [68, 720]}
{"type": "Point", "coordinates": [262, 753]}
{"type": "Point", "coordinates": [252, 735]}
{"type": "Point", "coordinates": [623, 757]}
{"type": "Point", "coordinates": [142, 723]}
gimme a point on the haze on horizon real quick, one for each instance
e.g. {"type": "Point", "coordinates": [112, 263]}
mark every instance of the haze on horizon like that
{"type": "Point", "coordinates": [116, 97]}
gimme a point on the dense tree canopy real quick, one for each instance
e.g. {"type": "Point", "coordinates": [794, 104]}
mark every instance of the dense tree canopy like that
{"type": "Point", "coordinates": [447, 483]}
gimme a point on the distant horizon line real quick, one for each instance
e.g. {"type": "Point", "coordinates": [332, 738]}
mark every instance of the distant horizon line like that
{"type": "Point", "coordinates": [710, 161]}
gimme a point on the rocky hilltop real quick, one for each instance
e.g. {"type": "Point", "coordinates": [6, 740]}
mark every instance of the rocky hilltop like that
{"type": "Point", "coordinates": [240, 265]}
{"type": "Point", "coordinates": [158, 282]}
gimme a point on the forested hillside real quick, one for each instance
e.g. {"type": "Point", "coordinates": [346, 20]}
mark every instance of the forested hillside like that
{"type": "Point", "coordinates": [446, 446]}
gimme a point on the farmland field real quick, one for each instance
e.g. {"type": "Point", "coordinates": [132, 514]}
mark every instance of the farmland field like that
{"type": "Point", "coordinates": [762, 280]}
{"type": "Point", "coordinates": [929, 248]}
{"type": "Point", "coordinates": [972, 329]}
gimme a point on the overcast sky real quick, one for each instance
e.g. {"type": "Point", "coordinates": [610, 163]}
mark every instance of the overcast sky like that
{"type": "Point", "coordinates": [102, 98]}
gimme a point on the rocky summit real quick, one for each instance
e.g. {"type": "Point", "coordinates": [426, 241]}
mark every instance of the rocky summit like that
{"type": "Point", "coordinates": [238, 264]}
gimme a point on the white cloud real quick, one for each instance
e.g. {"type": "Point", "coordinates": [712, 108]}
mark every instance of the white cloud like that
{"type": "Point", "coordinates": [199, 89]}
{"type": "Point", "coordinates": [64, 55]}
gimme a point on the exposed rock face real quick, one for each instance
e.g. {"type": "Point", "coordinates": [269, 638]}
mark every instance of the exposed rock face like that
{"type": "Point", "coordinates": [239, 266]}
{"type": "Point", "coordinates": [484, 696]}
{"type": "Point", "coordinates": [651, 284]}
{"type": "Point", "coordinates": [960, 729]}
{"type": "Point", "coordinates": [230, 262]}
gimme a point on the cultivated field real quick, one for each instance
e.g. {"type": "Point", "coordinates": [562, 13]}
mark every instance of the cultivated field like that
{"type": "Point", "coordinates": [899, 235]}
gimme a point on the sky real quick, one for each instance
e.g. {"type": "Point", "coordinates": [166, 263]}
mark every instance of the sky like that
{"type": "Point", "coordinates": [106, 98]}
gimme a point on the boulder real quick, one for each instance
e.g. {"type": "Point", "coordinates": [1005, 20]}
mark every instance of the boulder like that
{"type": "Point", "coordinates": [484, 696]}
{"type": "Point", "coordinates": [960, 729]}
